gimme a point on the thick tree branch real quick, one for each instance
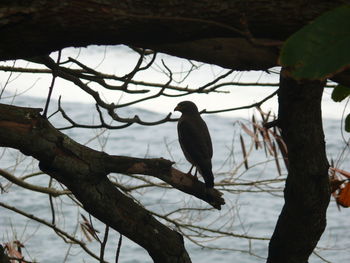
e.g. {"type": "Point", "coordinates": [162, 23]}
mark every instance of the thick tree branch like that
{"type": "Point", "coordinates": [232, 34]}
{"type": "Point", "coordinates": [235, 34]}
{"type": "Point", "coordinates": [161, 168]}
{"type": "Point", "coordinates": [232, 53]}
{"type": "Point", "coordinates": [61, 148]}
{"type": "Point", "coordinates": [84, 172]}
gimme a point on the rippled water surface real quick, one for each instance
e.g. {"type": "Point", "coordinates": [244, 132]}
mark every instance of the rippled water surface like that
{"type": "Point", "coordinates": [247, 213]}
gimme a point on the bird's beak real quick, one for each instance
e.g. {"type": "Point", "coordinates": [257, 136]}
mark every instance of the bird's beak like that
{"type": "Point", "coordinates": [177, 108]}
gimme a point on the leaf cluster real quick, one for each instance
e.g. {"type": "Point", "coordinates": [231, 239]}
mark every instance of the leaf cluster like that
{"type": "Point", "coordinates": [320, 50]}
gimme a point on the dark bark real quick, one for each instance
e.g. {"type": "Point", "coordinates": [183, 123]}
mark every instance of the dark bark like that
{"type": "Point", "coordinates": [303, 217]}
{"type": "Point", "coordinates": [232, 53]}
{"type": "Point", "coordinates": [254, 27]}
{"type": "Point", "coordinates": [84, 172]}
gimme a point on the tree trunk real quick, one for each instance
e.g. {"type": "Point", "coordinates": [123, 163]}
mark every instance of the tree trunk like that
{"type": "Point", "coordinates": [303, 217]}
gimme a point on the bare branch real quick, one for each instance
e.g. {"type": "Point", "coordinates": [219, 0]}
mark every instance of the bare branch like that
{"type": "Point", "coordinates": [54, 227]}
{"type": "Point", "coordinates": [243, 107]}
{"type": "Point", "coordinates": [22, 183]}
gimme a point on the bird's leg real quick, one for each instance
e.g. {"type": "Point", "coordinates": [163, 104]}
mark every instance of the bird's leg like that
{"type": "Point", "coordinates": [190, 171]}
{"type": "Point", "coordinates": [195, 173]}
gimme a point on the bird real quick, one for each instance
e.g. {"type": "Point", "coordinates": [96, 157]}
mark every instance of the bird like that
{"type": "Point", "coordinates": [195, 141]}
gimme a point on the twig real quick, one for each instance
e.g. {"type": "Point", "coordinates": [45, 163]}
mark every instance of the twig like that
{"type": "Point", "coordinates": [243, 107]}
{"type": "Point", "coordinates": [54, 75]}
{"type": "Point", "coordinates": [55, 228]}
{"type": "Point", "coordinates": [118, 248]}
{"type": "Point", "coordinates": [53, 222]}
{"type": "Point", "coordinates": [103, 244]}
{"type": "Point", "coordinates": [22, 183]}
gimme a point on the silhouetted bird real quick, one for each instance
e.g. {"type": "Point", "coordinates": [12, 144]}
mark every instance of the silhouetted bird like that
{"type": "Point", "coordinates": [195, 141]}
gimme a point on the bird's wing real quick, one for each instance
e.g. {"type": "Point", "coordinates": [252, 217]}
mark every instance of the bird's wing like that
{"type": "Point", "coordinates": [195, 140]}
{"type": "Point", "coordinates": [208, 139]}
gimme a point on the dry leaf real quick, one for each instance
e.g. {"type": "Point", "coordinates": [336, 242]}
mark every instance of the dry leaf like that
{"type": "Point", "coordinates": [244, 152]}
{"type": "Point", "coordinates": [276, 158]}
{"type": "Point", "coordinates": [247, 131]}
{"type": "Point", "coordinates": [335, 184]}
{"type": "Point", "coordinates": [14, 250]}
{"type": "Point", "coordinates": [88, 230]}
{"type": "Point", "coordinates": [343, 197]}
{"type": "Point", "coordinates": [251, 134]}
{"type": "Point", "coordinates": [342, 172]}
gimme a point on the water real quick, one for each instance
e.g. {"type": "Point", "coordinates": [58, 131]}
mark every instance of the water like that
{"type": "Point", "coordinates": [249, 210]}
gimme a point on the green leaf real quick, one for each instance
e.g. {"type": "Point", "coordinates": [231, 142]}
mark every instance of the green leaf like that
{"type": "Point", "coordinates": [347, 123]}
{"type": "Point", "coordinates": [340, 92]}
{"type": "Point", "coordinates": [320, 49]}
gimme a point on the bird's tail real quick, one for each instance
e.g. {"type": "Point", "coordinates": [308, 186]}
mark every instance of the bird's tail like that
{"type": "Point", "coordinates": [208, 178]}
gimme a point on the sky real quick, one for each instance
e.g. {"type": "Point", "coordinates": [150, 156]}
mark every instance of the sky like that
{"type": "Point", "coordinates": [120, 60]}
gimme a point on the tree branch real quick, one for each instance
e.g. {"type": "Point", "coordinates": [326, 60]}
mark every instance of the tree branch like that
{"type": "Point", "coordinates": [54, 227]}
{"type": "Point", "coordinates": [22, 183]}
{"type": "Point", "coordinates": [231, 34]}
{"type": "Point", "coordinates": [84, 172]}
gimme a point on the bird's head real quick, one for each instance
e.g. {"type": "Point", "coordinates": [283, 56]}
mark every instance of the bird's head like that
{"type": "Point", "coordinates": [186, 107]}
